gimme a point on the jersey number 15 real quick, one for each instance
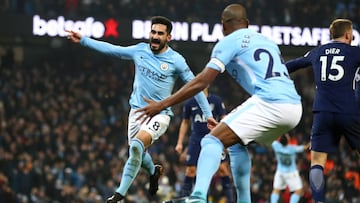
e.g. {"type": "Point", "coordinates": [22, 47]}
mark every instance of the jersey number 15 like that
{"type": "Point", "coordinates": [333, 66]}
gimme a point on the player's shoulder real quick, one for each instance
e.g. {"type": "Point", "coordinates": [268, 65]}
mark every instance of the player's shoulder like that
{"type": "Point", "coordinates": [354, 50]}
{"type": "Point", "coordinates": [176, 58]}
{"type": "Point", "coordinates": [142, 45]}
{"type": "Point", "coordinates": [275, 144]}
{"type": "Point", "coordinates": [173, 53]}
{"type": "Point", "coordinates": [339, 48]}
{"type": "Point", "coordinates": [332, 46]}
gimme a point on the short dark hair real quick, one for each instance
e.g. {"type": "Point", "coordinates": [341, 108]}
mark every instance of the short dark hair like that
{"type": "Point", "coordinates": [338, 27]}
{"type": "Point", "coordinates": [164, 21]}
{"type": "Point", "coordinates": [283, 140]}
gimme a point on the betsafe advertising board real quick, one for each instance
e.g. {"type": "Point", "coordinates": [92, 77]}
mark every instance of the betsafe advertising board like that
{"type": "Point", "coordinates": [39, 27]}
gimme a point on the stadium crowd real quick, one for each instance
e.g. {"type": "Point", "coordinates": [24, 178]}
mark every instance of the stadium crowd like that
{"type": "Point", "coordinates": [279, 12]}
{"type": "Point", "coordinates": [63, 120]}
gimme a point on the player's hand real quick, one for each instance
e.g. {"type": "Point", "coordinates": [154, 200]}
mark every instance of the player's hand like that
{"type": "Point", "coordinates": [73, 36]}
{"type": "Point", "coordinates": [182, 157]}
{"type": "Point", "coordinates": [179, 148]}
{"type": "Point", "coordinates": [211, 123]}
{"type": "Point", "coordinates": [150, 110]}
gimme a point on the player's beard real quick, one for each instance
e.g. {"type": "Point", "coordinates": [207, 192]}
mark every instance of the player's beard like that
{"type": "Point", "coordinates": [157, 45]}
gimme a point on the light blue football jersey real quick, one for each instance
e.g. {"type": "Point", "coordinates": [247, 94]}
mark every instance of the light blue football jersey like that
{"type": "Point", "coordinates": [155, 74]}
{"type": "Point", "coordinates": [286, 155]}
{"type": "Point", "coordinates": [255, 63]}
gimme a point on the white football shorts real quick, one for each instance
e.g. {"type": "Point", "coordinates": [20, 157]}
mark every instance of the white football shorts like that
{"type": "Point", "coordinates": [261, 121]}
{"type": "Point", "coordinates": [156, 127]}
{"type": "Point", "coordinates": [291, 179]}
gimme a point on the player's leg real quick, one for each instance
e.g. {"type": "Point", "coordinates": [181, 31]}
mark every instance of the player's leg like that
{"type": "Point", "coordinates": [248, 122]}
{"type": "Point", "coordinates": [352, 131]}
{"type": "Point", "coordinates": [279, 184]}
{"type": "Point", "coordinates": [155, 128]}
{"type": "Point", "coordinates": [212, 145]}
{"type": "Point", "coordinates": [131, 169]}
{"type": "Point", "coordinates": [149, 132]}
{"type": "Point", "coordinates": [240, 164]}
{"type": "Point", "coordinates": [316, 176]}
{"type": "Point", "coordinates": [189, 179]}
{"type": "Point", "coordinates": [153, 170]}
{"type": "Point", "coordinates": [224, 174]}
{"type": "Point", "coordinates": [323, 141]}
{"type": "Point", "coordinates": [293, 180]}
{"type": "Point", "coordinates": [133, 164]}
{"type": "Point", "coordinates": [193, 151]}
{"type": "Point", "coordinates": [295, 196]}
{"type": "Point", "coordinates": [147, 163]}
{"type": "Point", "coordinates": [260, 121]}
{"type": "Point", "coordinates": [133, 129]}
{"type": "Point", "coordinates": [275, 195]}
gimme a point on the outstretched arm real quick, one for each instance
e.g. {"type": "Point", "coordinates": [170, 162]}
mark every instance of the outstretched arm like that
{"type": "Point", "coordinates": [298, 63]}
{"type": "Point", "coordinates": [200, 82]}
{"type": "Point", "coordinates": [101, 46]}
{"type": "Point", "coordinates": [307, 146]}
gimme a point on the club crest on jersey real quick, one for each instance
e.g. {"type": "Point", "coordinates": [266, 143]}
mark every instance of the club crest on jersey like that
{"type": "Point", "coordinates": [164, 66]}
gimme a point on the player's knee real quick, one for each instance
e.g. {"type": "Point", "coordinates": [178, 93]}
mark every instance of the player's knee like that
{"type": "Point", "coordinates": [223, 170]}
{"type": "Point", "coordinates": [136, 148]}
{"type": "Point", "coordinates": [210, 139]}
{"type": "Point", "coordinates": [276, 191]}
{"type": "Point", "coordinates": [318, 158]}
{"type": "Point", "coordinates": [191, 171]}
{"type": "Point", "coordinates": [299, 192]}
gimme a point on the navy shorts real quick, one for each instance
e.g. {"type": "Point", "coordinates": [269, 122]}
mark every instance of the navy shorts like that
{"type": "Point", "coordinates": [329, 127]}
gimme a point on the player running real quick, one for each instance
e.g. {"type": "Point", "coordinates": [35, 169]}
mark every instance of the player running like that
{"type": "Point", "coordinates": [157, 66]}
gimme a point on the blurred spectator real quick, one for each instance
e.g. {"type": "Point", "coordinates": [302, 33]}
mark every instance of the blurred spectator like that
{"type": "Point", "coordinates": [8, 59]}
{"type": "Point", "coordinates": [280, 12]}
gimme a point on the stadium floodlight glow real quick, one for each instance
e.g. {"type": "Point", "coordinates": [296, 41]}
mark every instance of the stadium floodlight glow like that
{"type": "Point", "coordinates": [56, 27]}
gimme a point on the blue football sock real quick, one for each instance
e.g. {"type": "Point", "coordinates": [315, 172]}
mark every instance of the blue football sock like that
{"type": "Point", "coordinates": [274, 198]}
{"type": "Point", "coordinates": [294, 198]}
{"type": "Point", "coordinates": [317, 183]}
{"type": "Point", "coordinates": [240, 164]}
{"type": "Point", "coordinates": [208, 164]}
{"type": "Point", "coordinates": [187, 186]}
{"type": "Point", "coordinates": [228, 189]}
{"type": "Point", "coordinates": [132, 166]}
{"type": "Point", "coordinates": [147, 163]}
